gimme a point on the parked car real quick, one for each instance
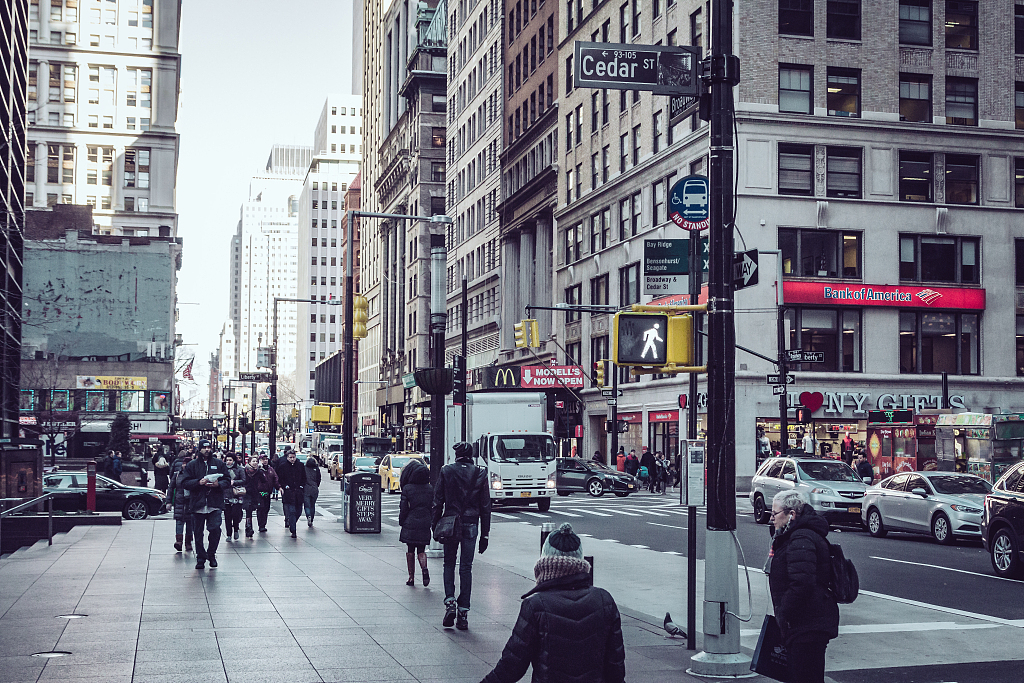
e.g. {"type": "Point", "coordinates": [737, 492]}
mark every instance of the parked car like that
{"type": "Point", "coordinates": [360, 463]}
{"type": "Point", "coordinates": [831, 487]}
{"type": "Point", "coordinates": [133, 502]}
{"type": "Point", "coordinates": [390, 470]}
{"type": "Point", "coordinates": [942, 504]}
{"type": "Point", "coordinates": [1002, 523]}
{"type": "Point", "coordinates": [576, 474]}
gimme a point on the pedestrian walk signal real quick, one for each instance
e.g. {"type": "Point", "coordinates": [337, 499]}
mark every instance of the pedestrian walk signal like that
{"type": "Point", "coordinates": [652, 339]}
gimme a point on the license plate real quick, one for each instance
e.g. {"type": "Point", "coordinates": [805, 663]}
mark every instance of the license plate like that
{"type": "Point", "coordinates": [525, 494]}
{"type": "Point", "coordinates": [853, 510]}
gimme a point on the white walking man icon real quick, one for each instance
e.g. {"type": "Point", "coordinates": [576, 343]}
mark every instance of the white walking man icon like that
{"type": "Point", "coordinates": [651, 336]}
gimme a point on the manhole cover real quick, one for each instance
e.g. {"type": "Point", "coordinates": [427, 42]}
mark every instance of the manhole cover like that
{"type": "Point", "coordinates": [51, 653]}
{"type": "Point", "coordinates": [71, 616]}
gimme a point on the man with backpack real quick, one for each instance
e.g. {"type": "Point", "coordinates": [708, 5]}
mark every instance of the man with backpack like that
{"type": "Point", "coordinates": [800, 576]}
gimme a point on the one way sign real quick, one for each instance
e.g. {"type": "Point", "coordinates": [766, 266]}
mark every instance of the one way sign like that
{"type": "Point", "coordinates": [744, 269]}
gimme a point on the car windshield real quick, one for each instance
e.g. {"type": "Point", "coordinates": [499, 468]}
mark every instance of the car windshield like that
{"type": "Point", "coordinates": [365, 462]}
{"type": "Point", "coordinates": [601, 466]}
{"type": "Point", "coordinates": [399, 463]}
{"type": "Point", "coordinates": [959, 485]}
{"type": "Point", "coordinates": [827, 471]}
{"type": "Point", "coordinates": [526, 448]}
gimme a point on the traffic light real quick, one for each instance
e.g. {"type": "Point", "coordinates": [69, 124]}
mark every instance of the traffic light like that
{"type": "Point", "coordinates": [521, 335]}
{"type": "Point", "coordinates": [652, 339]}
{"type": "Point", "coordinates": [320, 413]}
{"type": "Point", "coordinates": [360, 316]}
{"type": "Point", "coordinates": [264, 356]}
{"type": "Point", "coordinates": [243, 424]}
{"type": "Point", "coordinates": [599, 373]}
{"type": "Point", "coordinates": [534, 333]}
{"type": "Point", "coordinates": [803, 416]}
{"type": "Point", "coordinates": [337, 415]}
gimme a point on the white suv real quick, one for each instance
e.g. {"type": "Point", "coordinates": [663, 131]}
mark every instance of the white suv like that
{"type": "Point", "coordinates": [831, 487]}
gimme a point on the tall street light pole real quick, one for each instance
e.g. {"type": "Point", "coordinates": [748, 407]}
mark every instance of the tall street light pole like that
{"type": "Point", "coordinates": [348, 380]}
{"type": "Point", "coordinates": [721, 656]}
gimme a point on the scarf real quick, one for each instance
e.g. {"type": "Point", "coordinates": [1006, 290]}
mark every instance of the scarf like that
{"type": "Point", "coordinates": [554, 567]}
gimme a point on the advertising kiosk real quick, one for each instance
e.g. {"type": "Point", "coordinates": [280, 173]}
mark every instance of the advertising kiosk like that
{"type": "Point", "coordinates": [892, 442]}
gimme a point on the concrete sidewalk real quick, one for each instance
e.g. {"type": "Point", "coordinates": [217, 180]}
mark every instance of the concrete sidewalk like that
{"type": "Point", "coordinates": [330, 606]}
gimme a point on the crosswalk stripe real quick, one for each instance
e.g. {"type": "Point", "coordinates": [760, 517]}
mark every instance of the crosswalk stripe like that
{"type": "Point", "coordinates": [591, 512]}
{"type": "Point", "coordinates": [502, 515]}
{"type": "Point", "coordinates": [648, 512]}
{"type": "Point", "coordinates": [622, 512]}
{"type": "Point", "coordinates": [535, 514]}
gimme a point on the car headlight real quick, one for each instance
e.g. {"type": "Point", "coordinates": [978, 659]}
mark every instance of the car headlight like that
{"type": "Point", "coordinates": [823, 492]}
{"type": "Point", "coordinates": [551, 480]}
{"type": "Point", "coordinates": [496, 481]}
{"type": "Point", "coordinates": [966, 510]}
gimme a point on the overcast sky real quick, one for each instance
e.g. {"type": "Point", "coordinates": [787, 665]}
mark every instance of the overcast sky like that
{"type": "Point", "coordinates": [254, 73]}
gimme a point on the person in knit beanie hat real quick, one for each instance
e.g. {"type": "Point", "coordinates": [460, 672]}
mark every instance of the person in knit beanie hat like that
{"type": "Point", "coordinates": [567, 628]}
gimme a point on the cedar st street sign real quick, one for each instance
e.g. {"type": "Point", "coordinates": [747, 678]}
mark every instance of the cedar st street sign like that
{"type": "Point", "coordinates": [660, 69]}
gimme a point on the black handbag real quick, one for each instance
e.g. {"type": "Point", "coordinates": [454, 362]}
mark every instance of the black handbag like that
{"type": "Point", "coordinates": [448, 529]}
{"type": "Point", "coordinates": [770, 656]}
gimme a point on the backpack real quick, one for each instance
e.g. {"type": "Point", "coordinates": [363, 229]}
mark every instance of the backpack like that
{"type": "Point", "coordinates": [643, 472]}
{"type": "Point", "coordinates": [843, 581]}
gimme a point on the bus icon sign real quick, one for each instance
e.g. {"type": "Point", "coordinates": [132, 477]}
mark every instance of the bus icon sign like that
{"type": "Point", "coordinates": [689, 203]}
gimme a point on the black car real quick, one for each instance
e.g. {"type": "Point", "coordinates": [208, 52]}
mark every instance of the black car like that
{"type": "Point", "coordinates": [1002, 524]}
{"type": "Point", "coordinates": [592, 477]}
{"type": "Point", "coordinates": [133, 502]}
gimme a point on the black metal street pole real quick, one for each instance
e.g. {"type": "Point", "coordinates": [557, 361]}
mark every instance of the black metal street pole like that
{"type": "Point", "coordinates": [613, 415]}
{"type": "Point", "coordinates": [696, 277]}
{"type": "Point", "coordinates": [465, 342]}
{"type": "Point", "coordinates": [252, 421]}
{"type": "Point", "coordinates": [783, 370]}
{"type": "Point", "coordinates": [721, 654]}
{"type": "Point", "coordinates": [348, 375]}
{"type": "Point", "coordinates": [233, 423]}
{"type": "Point", "coordinates": [438, 320]}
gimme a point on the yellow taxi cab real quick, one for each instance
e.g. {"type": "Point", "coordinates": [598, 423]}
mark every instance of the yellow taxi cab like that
{"type": "Point", "coordinates": [390, 469]}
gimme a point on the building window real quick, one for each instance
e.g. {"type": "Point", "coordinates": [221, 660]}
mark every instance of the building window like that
{"type": "Point", "coordinates": [961, 179]}
{"type": "Point", "coordinates": [1018, 29]}
{"type": "Point", "coordinates": [915, 176]}
{"type": "Point", "coordinates": [962, 101]}
{"type": "Point", "coordinates": [573, 243]}
{"type": "Point", "coordinates": [598, 234]}
{"type": "Point", "coordinates": [834, 332]}
{"type": "Point", "coordinates": [796, 17]}
{"type": "Point", "coordinates": [795, 89]}
{"type": "Point", "coordinates": [1020, 345]}
{"type": "Point", "coordinates": [568, 74]}
{"type": "Point", "coordinates": [636, 145]}
{"type": "Point", "coordinates": [438, 103]}
{"type": "Point", "coordinates": [437, 137]}
{"type": "Point", "coordinates": [916, 98]}
{"type": "Point", "coordinates": [796, 164]}
{"type": "Point", "coordinates": [437, 172]}
{"type": "Point", "coordinates": [604, 164]}
{"type": "Point", "coordinates": [599, 290]}
{"type": "Point", "coordinates": [843, 20]}
{"type": "Point", "coordinates": [820, 253]}
{"type": "Point", "coordinates": [843, 172]}
{"type": "Point", "coordinates": [843, 92]}
{"type": "Point", "coordinates": [1018, 246]}
{"type": "Point", "coordinates": [624, 23]}
{"type": "Point", "coordinates": [574, 353]}
{"type": "Point", "coordinates": [573, 297]}
{"type": "Point", "coordinates": [595, 110]}
{"type": "Point", "coordinates": [1018, 183]}
{"type": "Point", "coordinates": [916, 22]}
{"type": "Point", "coordinates": [1018, 106]}
{"type": "Point", "coordinates": [656, 131]}
{"type": "Point", "coordinates": [931, 343]}
{"type": "Point", "coordinates": [629, 285]}
{"type": "Point", "coordinates": [962, 24]}
{"type": "Point", "coordinates": [926, 258]}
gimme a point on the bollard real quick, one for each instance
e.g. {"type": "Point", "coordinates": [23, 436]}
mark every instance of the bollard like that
{"type": "Point", "coordinates": [545, 530]}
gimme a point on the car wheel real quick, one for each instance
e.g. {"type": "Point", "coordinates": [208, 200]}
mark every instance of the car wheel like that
{"type": "Point", "coordinates": [760, 513]}
{"type": "Point", "coordinates": [941, 530]}
{"type": "Point", "coordinates": [565, 493]}
{"type": "Point", "coordinates": [135, 509]}
{"type": "Point", "coordinates": [875, 526]}
{"type": "Point", "coordinates": [544, 504]}
{"type": "Point", "coordinates": [1005, 555]}
{"type": "Point", "coordinates": [595, 488]}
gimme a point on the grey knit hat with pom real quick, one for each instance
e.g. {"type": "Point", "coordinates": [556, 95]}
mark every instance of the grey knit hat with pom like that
{"type": "Point", "coordinates": [563, 543]}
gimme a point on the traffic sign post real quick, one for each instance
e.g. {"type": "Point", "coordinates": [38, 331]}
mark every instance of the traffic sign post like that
{"type": "Point", "coordinates": [660, 69]}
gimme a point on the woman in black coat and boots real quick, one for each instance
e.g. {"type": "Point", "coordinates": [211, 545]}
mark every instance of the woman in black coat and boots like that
{"type": "Point", "coordinates": [312, 489]}
{"type": "Point", "coordinates": [567, 629]}
{"type": "Point", "coordinates": [414, 517]}
{"type": "Point", "coordinates": [799, 567]}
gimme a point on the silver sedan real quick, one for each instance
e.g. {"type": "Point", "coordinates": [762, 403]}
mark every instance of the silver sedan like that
{"type": "Point", "coordinates": [943, 505]}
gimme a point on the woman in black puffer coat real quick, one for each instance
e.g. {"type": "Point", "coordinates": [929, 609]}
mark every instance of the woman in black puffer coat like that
{"type": "Point", "coordinates": [799, 567]}
{"type": "Point", "coordinates": [567, 629]}
{"type": "Point", "coordinates": [414, 517]}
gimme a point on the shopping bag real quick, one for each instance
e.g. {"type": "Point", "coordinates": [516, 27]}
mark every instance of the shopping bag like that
{"type": "Point", "coordinates": [770, 657]}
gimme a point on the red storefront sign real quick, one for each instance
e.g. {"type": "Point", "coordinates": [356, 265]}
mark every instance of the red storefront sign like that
{"type": "Point", "coordinates": [551, 376]}
{"type": "Point", "coordinates": [901, 296]}
{"type": "Point", "coordinates": [663, 416]}
{"type": "Point", "coordinates": [634, 418]}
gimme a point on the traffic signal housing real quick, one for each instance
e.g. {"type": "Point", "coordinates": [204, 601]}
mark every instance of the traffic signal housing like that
{"type": "Point", "coordinates": [803, 416]}
{"type": "Point", "coordinates": [534, 328]}
{"type": "Point", "coordinates": [521, 335]}
{"type": "Point", "coordinates": [360, 316]}
{"type": "Point", "coordinates": [652, 339]}
{"type": "Point", "coordinates": [599, 373]}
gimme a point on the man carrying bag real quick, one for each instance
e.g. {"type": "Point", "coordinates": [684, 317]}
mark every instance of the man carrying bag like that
{"type": "Point", "coordinates": [461, 501]}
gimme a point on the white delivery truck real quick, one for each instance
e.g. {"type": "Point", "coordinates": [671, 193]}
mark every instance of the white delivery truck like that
{"type": "Point", "coordinates": [511, 439]}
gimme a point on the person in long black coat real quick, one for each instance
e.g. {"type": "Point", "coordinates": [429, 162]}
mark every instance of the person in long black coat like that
{"type": "Point", "coordinates": [291, 479]}
{"type": "Point", "coordinates": [798, 576]}
{"type": "Point", "coordinates": [312, 490]}
{"type": "Point", "coordinates": [414, 516]}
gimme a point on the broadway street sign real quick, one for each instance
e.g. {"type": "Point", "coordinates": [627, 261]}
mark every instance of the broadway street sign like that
{"type": "Point", "coordinates": [659, 69]}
